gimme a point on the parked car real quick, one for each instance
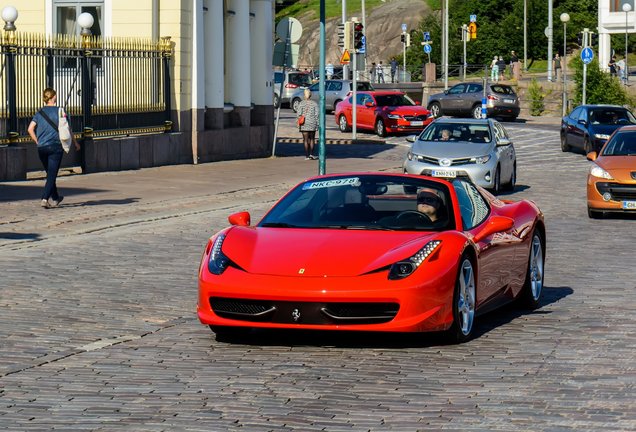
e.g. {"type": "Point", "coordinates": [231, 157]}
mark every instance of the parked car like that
{"type": "Point", "coordinates": [478, 148]}
{"type": "Point", "coordinates": [384, 112]}
{"type": "Point", "coordinates": [588, 127]}
{"type": "Point", "coordinates": [294, 81]}
{"type": "Point", "coordinates": [335, 92]}
{"type": "Point", "coordinates": [356, 252]}
{"type": "Point", "coordinates": [465, 99]}
{"type": "Point", "coordinates": [611, 182]}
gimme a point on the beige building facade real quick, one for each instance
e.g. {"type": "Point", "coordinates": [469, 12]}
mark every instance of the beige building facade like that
{"type": "Point", "coordinates": [222, 95]}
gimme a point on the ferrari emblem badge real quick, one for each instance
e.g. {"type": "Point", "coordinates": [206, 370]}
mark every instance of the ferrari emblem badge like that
{"type": "Point", "coordinates": [295, 315]}
{"type": "Point", "coordinates": [301, 271]}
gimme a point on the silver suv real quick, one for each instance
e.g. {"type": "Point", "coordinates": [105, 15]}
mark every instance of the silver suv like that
{"type": "Point", "coordinates": [464, 99]}
{"type": "Point", "coordinates": [335, 92]}
{"type": "Point", "coordinates": [294, 81]}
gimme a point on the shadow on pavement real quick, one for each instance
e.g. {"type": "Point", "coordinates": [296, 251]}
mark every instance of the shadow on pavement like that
{"type": "Point", "coordinates": [27, 192]}
{"type": "Point", "coordinates": [349, 339]}
{"type": "Point", "coordinates": [336, 151]}
{"type": "Point", "coordinates": [19, 236]}
{"type": "Point", "coordinates": [103, 202]}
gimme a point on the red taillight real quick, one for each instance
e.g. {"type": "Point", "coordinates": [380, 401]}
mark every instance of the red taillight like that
{"type": "Point", "coordinates": [492, 98]}
{"type": "Point", "coordinates": [290, 85]}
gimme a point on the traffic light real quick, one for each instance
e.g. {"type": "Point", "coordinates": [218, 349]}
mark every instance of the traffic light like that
{"type": "Point", "coordinates": [358, 36]}
{"type": "Point", "coordinates": [579, 38]}
{"type": "Point", "coordinates": [594, 39]}
{"type": "Point", "coordinates": [472, 31]}
{"type": "Point", "coordinates": [408, 39]}
{"type": "Point", "coordinates": [402, 38]}
{"type": "Point", "coordinates": [341, 35]}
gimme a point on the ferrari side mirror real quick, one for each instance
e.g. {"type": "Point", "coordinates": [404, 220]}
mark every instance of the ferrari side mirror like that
{"type": "Point", "coordinates": [240, 219]}
{"type": "Point", "coordinates": [495, 224]}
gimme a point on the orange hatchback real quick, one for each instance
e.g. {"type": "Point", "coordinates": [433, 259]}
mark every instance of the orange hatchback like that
{"type": "Point", "coordinates": [611, 182]}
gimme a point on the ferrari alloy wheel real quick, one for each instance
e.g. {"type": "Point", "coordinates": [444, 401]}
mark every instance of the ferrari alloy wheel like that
{"type": "Point", "coordinates": [565, 147]}
{"type": "Point", "coordinates": [464, 302]}
{"type": "Point", "coordinates": [533, 286]}
{"type": "Point", "coordinates": [476, 111]}
{"type": "Point", "coordinates": [435, 109]}
{"type": "Point", "coordinates": [342, 123]}
{"type": "Point", "coordinates": [295, 104]}
{"type": "Point", "coordinates": [380, 130]}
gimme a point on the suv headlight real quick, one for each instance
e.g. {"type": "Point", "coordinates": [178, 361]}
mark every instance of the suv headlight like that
{"type": "Point", "coordinates": [402, 269]}
{"type": "Point", "coordinates": [601, 136]}
{"type": "Point", "coordinates": [599, 172]}
{"type": "Point", "coordinates": [394, 116]}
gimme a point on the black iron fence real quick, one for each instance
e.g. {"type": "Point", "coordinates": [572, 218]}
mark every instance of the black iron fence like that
{"type": "Point", "coordinates": [108, 86]}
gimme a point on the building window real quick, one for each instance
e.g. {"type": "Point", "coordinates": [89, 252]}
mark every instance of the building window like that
{"type": "Point", "coordinates": [66, 13]}
{"type": "Point", "coordinates": [617, 5]}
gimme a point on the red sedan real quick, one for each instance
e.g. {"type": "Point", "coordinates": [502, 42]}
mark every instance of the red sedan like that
{"type": "Point", "coordinates": [383, 112]}
{"type": "Point", "coordinates": [373, 252]}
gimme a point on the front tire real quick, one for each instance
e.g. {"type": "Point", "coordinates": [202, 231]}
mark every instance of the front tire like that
{"type": "Point", "coordinates": [463, 303]}
{"type": "Point", "coordinates": [342, 123]}
{"type": "Point", "coordinates": [565, 147]}
{"type": "Point", "coordinates": [496, 187]}
{"type": "Point", "coordinates": [380, 129]}
{"type": "Point", "coordinates": [533, 285]}
{"type": "Point", "coordinates": [435, 109]}
{"type": "Point", "coordinates": [510, 186]}
{"type": "Point", "coordinates": [587, 145]}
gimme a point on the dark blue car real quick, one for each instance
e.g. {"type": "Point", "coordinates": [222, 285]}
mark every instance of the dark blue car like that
{"type": "Point", "coordinates": [588, 127]}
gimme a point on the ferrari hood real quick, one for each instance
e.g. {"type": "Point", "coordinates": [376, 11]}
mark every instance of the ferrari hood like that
{"type": "Point", "coordinates": [319, 252]}
{"type": "Point", "coordinates": [451, 149]}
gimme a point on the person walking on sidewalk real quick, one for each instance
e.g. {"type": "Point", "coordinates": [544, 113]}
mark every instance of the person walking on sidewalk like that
{"type": "Point", "coordinates": [47, 139]}
{"type": "Point", "coordinates": [494, 70]}
{"type": "Point", "coordinates": [308, 109]}
{"type": "Point", "coordinates": [380, 73]}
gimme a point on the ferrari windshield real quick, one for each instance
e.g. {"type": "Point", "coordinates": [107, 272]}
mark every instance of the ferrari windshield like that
{"type": "Point", "coordinates": [621, 144]}
{"type": "Point", "coordinates": [463, 132]}
{"type": "Point", "coordinates": [394, 100]}
{"type": "Point", "coordinates": [372, 202]}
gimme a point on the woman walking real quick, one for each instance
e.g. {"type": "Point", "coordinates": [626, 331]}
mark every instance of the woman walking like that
{"type": "Point", "coordinates": [47, 138]}
{"type": "Point", "coordinates": [494, 70]}
{"type": "Point", "coordinates": [308, 110]}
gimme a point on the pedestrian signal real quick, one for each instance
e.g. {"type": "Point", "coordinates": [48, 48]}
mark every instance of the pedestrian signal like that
{"type": "Point", "coordinates": [472, 31]}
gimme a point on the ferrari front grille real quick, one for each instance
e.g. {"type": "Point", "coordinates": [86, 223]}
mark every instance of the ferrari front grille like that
{"type": "Point", "coordinates": [316, 313]}
{"type": "Point", "coordinates": [619, 192]}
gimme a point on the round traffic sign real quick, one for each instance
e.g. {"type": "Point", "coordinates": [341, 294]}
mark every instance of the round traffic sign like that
{"type": "Point", "coordinates": [289, 26]}
{"type": "Point", "coordinates": [587, 55]}
{"type": "Point", "coordinates": [427, 48]}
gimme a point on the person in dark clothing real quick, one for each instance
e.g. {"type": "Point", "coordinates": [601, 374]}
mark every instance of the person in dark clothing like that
{"type": "Point", "coordinates": [502, 67]}
{"type": "Point", "coordinates": [50, 151]}
{"type": "Point", "coordinates": [612, 66]}
{"type": "Point", "coordinates": [394, 66]}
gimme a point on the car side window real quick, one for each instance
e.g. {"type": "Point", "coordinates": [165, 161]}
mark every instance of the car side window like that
{"type": "Point", "coordinates": [583, 115]}
{"type": "Point", "coordinates": [315, 87]}
{"type": "Point", "coordinates": [473, 207]}
{"type": "Point", "coordinates": [360, 99]}
{"type": "Point", "coordinates": [574, 115]}
{"type": "Point", "coordinates": [458, 89]}
{"type": "Point", "coordinates": [500, 132]}
{"type": "Point", "coordinates": [335, 86]}
{"type": "Point", "coordinates": [475, 88]}
{"type": "Point", "coordinates": [367, 99]}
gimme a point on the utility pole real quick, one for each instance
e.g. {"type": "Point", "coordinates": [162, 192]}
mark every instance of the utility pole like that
{"type": "Point", "coordinates": [345, 67]}
{"type": "Point", "coordinates": [586, 32]}
{"type": "Point", "coordinates": [549, 35]}
{"type": "Point", "coordinates": [464, 39]}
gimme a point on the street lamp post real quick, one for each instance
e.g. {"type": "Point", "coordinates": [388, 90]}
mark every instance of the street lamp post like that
{"type": "Point", "coordinates": [565, 17]}
{"type": "Point", "coordinates": [626, 8]}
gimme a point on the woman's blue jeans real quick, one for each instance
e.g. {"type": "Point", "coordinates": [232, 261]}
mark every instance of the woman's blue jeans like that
{"type": "Point", "coordinates": [51, 157]}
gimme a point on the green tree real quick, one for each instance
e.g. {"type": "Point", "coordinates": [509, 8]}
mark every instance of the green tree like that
{"type": "Point", "coordinates": [601, 88]}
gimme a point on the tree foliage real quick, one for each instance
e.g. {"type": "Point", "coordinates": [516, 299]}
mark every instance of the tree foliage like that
{"type": "Point", "coordinates": [601, 87]}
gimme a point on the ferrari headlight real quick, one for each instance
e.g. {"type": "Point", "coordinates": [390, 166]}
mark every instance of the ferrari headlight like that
{"type": "Point", "coordinates": [218, 262]}
{"type": "Point", "coordinates": [405, 268]}
{"type": "Point", "coordinates": [482, 159]}
{"type": "Point", "coordinates": [599, 172]}
{"type": "Point", "coordinates": [394, 116]}
{"type": "Point", "coordinates": [601, 136]}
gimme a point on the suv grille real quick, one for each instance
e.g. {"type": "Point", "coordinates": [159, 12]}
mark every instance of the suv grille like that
{"type": "Point", "coordinates": [619, 192]}
{"type": "Point", "coordinates": [454, 162]}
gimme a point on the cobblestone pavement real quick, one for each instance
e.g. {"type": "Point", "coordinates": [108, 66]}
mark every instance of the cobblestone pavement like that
{"type": "Point", "coordinates": [99, 331]}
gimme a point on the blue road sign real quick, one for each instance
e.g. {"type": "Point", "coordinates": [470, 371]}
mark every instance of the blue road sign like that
{"type": "Point", "coordinates": [364, 45]}
{"type": "Point", "coordinates": [587, 55]}
{"type": "Point", "coordinates": [427, 36]}
{"type": "Point", "coordinates": [427, 48]}
{"type": "Point", "coordinates": [473, 18]}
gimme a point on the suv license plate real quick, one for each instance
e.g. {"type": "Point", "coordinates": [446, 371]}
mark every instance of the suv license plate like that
{"type": "Point", "coordinates": [444, 173]}
{"type": "Point", "coordinates": [417, 123]}
{"type": "Point", "coordinates": [509, 100]}
{"type": "Point", "coordinates": [629, 205]}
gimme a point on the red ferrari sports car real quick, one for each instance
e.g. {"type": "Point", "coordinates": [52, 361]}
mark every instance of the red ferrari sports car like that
{"type": "Point", "coordinates": [373, 252]}
{"type": "Point", "coordinates": [383, 112]}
